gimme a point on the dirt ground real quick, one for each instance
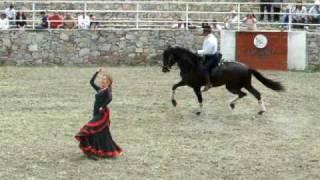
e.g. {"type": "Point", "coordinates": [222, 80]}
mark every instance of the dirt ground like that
{"type": "Point", "coordinates": [43, 108]}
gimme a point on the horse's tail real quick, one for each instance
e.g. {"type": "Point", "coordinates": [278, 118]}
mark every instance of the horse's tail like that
{"type": "Point", "coordinates": [274, 85]}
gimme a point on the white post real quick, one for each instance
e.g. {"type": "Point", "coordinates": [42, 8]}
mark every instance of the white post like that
{"type": "Point", "coordinates": [187, 16]}
{"type": "Point", "coordinates": [33, 15]}
{"type": "Point", "coordinates": [85, 8]}
{"type": "Point", "coordinates": [239, 16]}
{"type": "Point", "coordinates": [290, 18]}
{"type": "Point", "coordinates": [137, 15]}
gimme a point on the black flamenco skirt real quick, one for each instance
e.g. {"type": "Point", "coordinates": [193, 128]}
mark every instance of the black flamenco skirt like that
{"type": "Point", "coordinates": [95, 137]}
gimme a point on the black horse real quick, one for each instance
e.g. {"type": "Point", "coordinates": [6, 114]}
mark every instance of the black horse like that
{"type": "Point", "coordinates": [232, 74]}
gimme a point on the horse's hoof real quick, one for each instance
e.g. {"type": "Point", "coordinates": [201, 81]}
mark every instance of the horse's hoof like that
{"type": "Point", "coordinates": [174, 102]}
{"type": "Point", "coordinates": [232, 106]}
{"type": "Point", "coordinates": [261, 112]}
{"type": "Point", "coordinates": [198, 113]}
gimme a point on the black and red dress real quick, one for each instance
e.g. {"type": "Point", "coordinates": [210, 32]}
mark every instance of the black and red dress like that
{"type": "Point", "coordinates": [95, 137]}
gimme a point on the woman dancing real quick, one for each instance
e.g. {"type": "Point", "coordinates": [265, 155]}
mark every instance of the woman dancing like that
{"type": "Point", "coordinates": [95, 137]}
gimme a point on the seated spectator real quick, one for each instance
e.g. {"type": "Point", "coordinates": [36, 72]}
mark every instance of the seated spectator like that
{"type": "Point", "coordinates": [11, 14]}
{"type": "Point", "coordinates": [21, 20]}
{"type": "Point", "coordinates": [231, 20]}
{"type": "Point", "coordinates": [4, 22]}
{"type": "Point", "coordinates": [44, 21]}
{"type": "Point", "coordinates": [180, 25]}
{"type": "Point", "coordinates": [251, 22]}
{"type": "Point", "coordinates": [83, 21]}
{"type": "Point", "coordinates": [69, 22]}
{"type": "Point", "coordinates": [55, 21]}
{"type": "Point", "coordinates": [314, 12]}
{"type": "Point", "coordinates": [299, 15]}
{"type": "Point", "coordinates": [215, 26]}
{"type": "Point", "coordinates": [93, 22]}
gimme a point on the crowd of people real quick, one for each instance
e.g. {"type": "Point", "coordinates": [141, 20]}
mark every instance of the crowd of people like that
{"type": "Point", "coordinates": [299, 16]}
{"type": "Point", "coordinates": [18, 19]}
{"type": "Point", "coordinates": [281, 13]}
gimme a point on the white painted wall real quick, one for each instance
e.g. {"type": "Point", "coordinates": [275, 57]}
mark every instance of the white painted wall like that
{"type": "Point", "coordinates": [228, 45]}
{"type": "Point", "coordinates": [297, 57]}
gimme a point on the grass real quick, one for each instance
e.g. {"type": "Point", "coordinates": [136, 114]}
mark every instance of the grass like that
{"type": "Point", "coordinates": [43, 108]}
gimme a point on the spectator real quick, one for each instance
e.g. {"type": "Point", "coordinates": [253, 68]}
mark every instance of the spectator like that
{"type": "Point", "coordinates": [215, 26]}
{"type": "Point", "coordinates": [267, 6]}
{"type": "Point", "coordinates": [4, 22]}
{"type": "Point", "coordinates": [93, 22]}
{"type": "Point", "coordinates": [11, 14]}
{"type": "Point", "coordinates": [55, 21]}
{"type": "Point", "coordinates": [180, 25]}
{"type": "Point", "coordinates": [251, 22]}
{"type": "Point", "coordinates": [44, 21]}
{"type": "Point", "coordinates": [21, 20]}
{"type": "Point", "coordinates": [205, 24]}
{"type": "Point", "coordinates": [314, 12]}
{"type": "Point", "coordinates": [190, 25]}
{"type": "Point", "coordinates": [69, 22]}
{"type": "Point", "coordinates": [299, 14]}
{"type": "Point", "coordinates": [231, 19]}
{"type": "Point", "coordinates": [276, 9]}
{"type": "Point", "coordinates": [83, 21]}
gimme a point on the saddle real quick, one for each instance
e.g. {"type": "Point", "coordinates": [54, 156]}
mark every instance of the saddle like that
{"type": "Point", "coordinates": [210, 66]}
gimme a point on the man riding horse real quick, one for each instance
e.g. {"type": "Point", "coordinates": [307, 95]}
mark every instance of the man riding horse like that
{"type": "Point", "coordinates": [210, 52]}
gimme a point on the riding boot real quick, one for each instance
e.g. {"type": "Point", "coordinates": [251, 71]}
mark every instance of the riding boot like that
{"type": "Point", "coordinates": [208, 83]}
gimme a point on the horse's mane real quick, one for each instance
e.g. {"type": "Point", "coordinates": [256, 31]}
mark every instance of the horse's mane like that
{"type": "Point", "coordinates": [194, 58]}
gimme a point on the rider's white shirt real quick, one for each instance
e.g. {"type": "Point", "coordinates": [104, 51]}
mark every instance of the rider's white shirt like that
{"type": "Point", "coordinates": [210, 45]}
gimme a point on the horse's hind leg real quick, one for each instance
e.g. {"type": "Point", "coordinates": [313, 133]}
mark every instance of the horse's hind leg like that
{"type": "Point", "coordinates": [238, 92]}
{"type": "Point", "coordinates": [257, 95]}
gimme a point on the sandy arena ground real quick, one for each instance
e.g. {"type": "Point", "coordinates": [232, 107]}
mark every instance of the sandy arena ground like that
{"type": "Point", "coordinates": [43, 108]}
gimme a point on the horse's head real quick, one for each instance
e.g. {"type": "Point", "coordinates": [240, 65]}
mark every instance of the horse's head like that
{"type": "Point", "coordinates": [168, 59]}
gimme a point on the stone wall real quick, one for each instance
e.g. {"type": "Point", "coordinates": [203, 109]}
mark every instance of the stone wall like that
{"type": "Point", "coordinates": [121, 47]}
{"type": "Point", "coordinates": [313, 51]}
{"type": "Point", "coordinates": [91, 47]}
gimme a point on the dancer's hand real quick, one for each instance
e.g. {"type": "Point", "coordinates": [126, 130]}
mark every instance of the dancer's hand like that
{"type": "Point", "coordinates": [99, 70]}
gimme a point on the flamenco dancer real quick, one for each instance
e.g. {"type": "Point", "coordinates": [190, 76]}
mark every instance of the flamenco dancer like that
{"type": "Point", "coordinates": [95, 137]}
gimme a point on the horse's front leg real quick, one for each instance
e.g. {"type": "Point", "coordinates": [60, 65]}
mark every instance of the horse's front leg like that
{"type": "Point", "coordinates": [173, 100]}
{"type": "Point", "coordinates": [197, 91]}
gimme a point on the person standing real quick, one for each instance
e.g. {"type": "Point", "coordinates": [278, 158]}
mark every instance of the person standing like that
{"type": "Point", "coordinates": [209, 51]}
{"type": "Point", "coordinates": [21, 20]}
{"type": "Point", "coordinates": [94, 138]}
{"type": "Point", "coordinates": [267, 6]}
{"type": "Point", "coordinates": [276, 9]}
{"type": "Point", "coordinates": [11, 15]}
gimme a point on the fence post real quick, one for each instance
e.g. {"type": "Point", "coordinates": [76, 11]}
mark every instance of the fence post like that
{"type": "Point", "coordinates": [239, 16]}
{"type": "Point", "coordinates": [85, 8]}
{"type": "Point", "coordinates": [137, 15]}
{"type": "Point", "coordinates": [290, 18]}
{"type": "Point", "coordinates": [33, 15]}
{"type": "Point", "coordinates": [187, 16]}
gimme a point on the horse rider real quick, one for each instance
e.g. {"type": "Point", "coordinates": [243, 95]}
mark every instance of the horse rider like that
{"type": "Point", "coordinates": [210, 52]}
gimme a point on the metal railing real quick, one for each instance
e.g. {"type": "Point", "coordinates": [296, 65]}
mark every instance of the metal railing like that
{"type": "Point", "coordinates": [137, 15]}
